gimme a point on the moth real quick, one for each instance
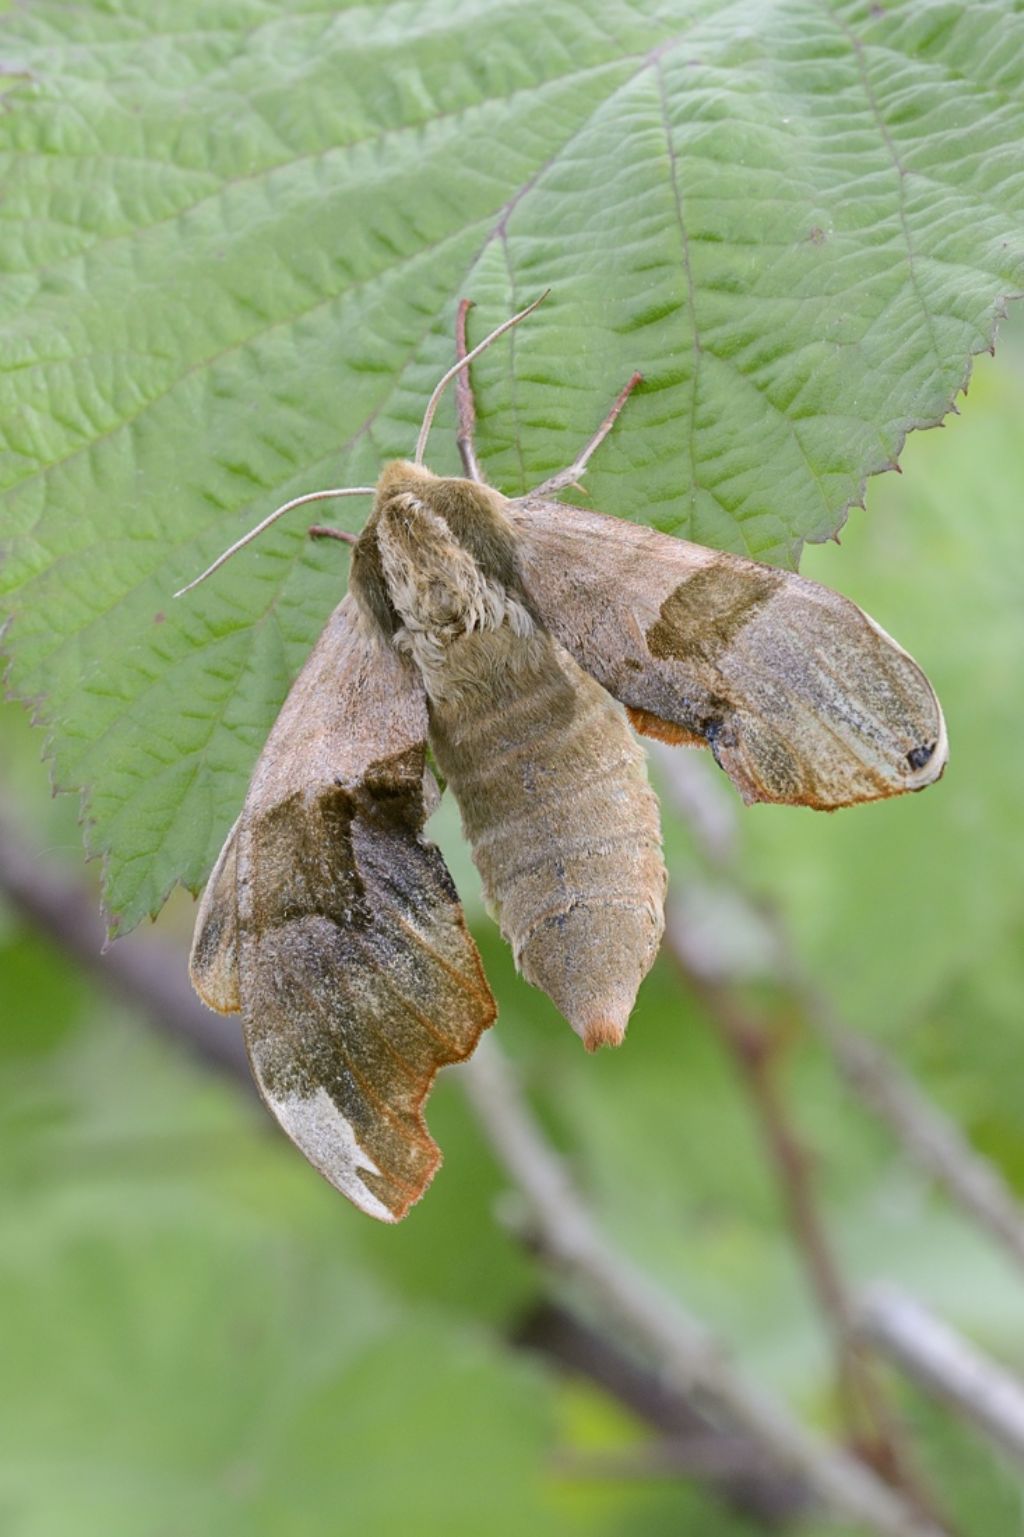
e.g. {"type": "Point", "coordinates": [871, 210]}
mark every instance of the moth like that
{"type": "Point", "coordinates": [526, 641]}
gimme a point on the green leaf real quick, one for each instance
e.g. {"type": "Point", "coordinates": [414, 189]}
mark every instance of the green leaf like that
{"type": "Point", "coordinates": [182, 1378]}
{"type": "Point", "coordinates": [234, 238]}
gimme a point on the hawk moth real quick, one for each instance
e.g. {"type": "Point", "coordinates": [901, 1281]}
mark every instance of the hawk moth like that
{"type": "Point", "coordinates": [523, 639]}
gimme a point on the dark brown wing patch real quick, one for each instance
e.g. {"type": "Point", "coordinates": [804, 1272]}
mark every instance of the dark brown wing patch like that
{"type": "Point", "coordinates": [364, 979]}
{"type": "Point", "coordinates": [802, 698]}
{"type": "Point", "coordinates": [706, 612]}
{"type": "Point", "coordinates": [339, 926]}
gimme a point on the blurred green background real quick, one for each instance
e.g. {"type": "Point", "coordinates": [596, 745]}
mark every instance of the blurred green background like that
{"type": "Point", "coordinates": [198, 1337]}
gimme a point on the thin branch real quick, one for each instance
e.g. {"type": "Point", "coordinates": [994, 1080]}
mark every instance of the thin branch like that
{"type": "Point", "coordinates": [705, 1460]}
{"type": "Point", "coordinates": [153, 979]}
{"type": "Point", "coordinates": [689, 1440]}
{"type": "Point", "coordinates": [877, 1433]}
{"type": "Point", "coordinates": [691, 1359]}
{"type": "Point", "coordinates": [929, 1137]}
{"type": "Point", "coordinates": [145, 973]}
{"type": "Point", "coordinates": [945, 1364]}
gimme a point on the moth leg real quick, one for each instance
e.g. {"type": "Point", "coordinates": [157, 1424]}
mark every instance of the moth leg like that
{"type": "Point", "coordinates": [322, 531]}
{"type": "Point", "coordinates": [567, 477]}
{"type": "Point", "coordinates": [466, 421]}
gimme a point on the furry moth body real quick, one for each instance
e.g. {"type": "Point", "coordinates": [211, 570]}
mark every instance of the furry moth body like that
{"type": "Point", "coordinates": [551, 782]}
{"type": "Point", "coordinates": [514, 635]}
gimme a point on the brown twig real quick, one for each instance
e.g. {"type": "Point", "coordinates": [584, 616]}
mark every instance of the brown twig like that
{"type": "Point", "coordinates": [705, 1459]}
{"type": "Point", "coordinates": [754, 1045]}
{"type": "Point", "coordinates": [145, 973]}
{"type": "Point", "coordinates": [692, 1362]}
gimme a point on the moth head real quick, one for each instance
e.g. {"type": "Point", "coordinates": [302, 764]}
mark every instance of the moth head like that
{"type": "Point", "coordinates": [403, 477]}
{"type": "Point", "coordinates": [470, 510]}
{"type": "Point", "coordinates": [435, 551]}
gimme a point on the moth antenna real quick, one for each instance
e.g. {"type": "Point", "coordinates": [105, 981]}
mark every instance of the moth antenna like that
{"type": "Point", "coordinates": [254, 533]}
{"type": "Point", "coordinates": [439, 388]}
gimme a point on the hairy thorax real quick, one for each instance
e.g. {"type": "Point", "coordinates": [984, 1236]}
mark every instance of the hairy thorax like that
{"type": "Point", "coordinates": [434, 566]}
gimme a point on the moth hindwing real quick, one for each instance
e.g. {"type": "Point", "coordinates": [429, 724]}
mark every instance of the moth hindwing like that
{"type": "Point", "coordinates": [513, 636]}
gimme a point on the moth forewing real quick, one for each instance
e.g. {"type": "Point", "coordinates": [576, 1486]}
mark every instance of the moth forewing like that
{"type": "Point", "coordinates": [803, 699]}
{"type": "Point", "coordinates": [830, 711]}
{"type": "Point", "coordinates": [356, 976]}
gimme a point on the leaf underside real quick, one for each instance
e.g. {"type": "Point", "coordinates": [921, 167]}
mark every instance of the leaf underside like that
{"type": "Point", "coordinates": [234, 237]}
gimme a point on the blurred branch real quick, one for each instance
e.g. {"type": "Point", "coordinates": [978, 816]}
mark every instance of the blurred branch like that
{"type": "Point", "coordinates": [928, 1136]}
{"type": "Point", "coordinates": [934, 1142]}
{"type": "Point", "coordinates": [944, 1363]}
{"type": "Point", "coordinates": [708, 1459]}
{"type": "Point", "coordinates": [145, 973]}
{"type": "Point", "coordinates": [692, 1361]}
{"type": "Point", "coordinates": [876, 1432]}
{"type": "Point", "coordinates": [689, 1441]}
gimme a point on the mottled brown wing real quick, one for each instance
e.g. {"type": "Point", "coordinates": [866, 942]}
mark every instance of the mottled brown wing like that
{"type": "Point", "coordinates": [355, 972]}
{"type": "Point", "coordinates": [802, 698]}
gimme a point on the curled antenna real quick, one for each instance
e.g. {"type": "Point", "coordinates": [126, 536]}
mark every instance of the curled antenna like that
{"type": "Point", "coordinates": [254, 533]}
{"type": "Point", "coordinates": [428, 415]}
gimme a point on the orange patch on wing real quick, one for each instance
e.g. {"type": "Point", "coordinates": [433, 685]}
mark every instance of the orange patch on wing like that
{"type": "Point", "coordinates": [663, 730]}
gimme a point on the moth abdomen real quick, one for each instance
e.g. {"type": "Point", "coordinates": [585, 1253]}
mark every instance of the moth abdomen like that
{"type": "Point", "coordinates": [564, 828]}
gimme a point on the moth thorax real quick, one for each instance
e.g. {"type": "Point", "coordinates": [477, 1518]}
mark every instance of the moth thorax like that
{"type": "Point", "coordinates": [437, 587]}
